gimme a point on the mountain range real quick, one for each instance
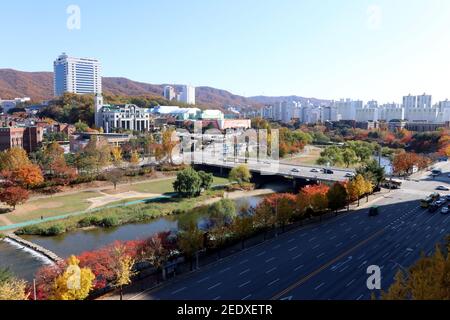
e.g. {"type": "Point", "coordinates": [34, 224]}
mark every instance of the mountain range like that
{"type": "Point", "coordinates": [39, 86]}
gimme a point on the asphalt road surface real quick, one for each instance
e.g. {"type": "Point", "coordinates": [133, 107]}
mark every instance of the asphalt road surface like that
{"type": "Point", "coordinates": [324, 261]}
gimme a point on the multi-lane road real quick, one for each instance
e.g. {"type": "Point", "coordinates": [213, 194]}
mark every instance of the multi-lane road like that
{"type": "Point", "coordinates": [324, 261]}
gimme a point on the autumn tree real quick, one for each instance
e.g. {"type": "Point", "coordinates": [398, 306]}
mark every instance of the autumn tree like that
{"type": "Point", "coordinates": [123, 268]}
{"type": "Point", "coordinates": [169, 142]}
{"type": "Point", "coordinates": [337, 196]}
{"type": "Point", "coordinates": [28, 176]}
{"type": "Point", "coordinates": [243, 227]}
{"type": "Point", "coordinates": [356, 188]}
{"type": "Point", "coordinates": [75, 283]}
{"type": "Point", "coordinates": [427, 279]}
{"type": "Point", "coordinates": [264, 217]}
{"type": "Point", "coordinates": [13, 196]}
{"type": "Point", "coordinates": [240, 175]}
{"type": "Point", "coordinates": [13, 159]}
{"type": "Point", "coordinates": [157, 251]}
{"type": "Point", "coordinates": [13, 289]}
{"type": "Point", "coordinates": [117, 157]}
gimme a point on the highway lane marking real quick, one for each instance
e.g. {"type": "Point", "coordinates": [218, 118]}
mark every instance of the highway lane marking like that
{"type": "Point", "coordinates": [217, 298]}
{"type": "Point", "coordinates": [261, 254]}
{"type": "Point", "coordinates": [333, 237]}
{"type": "Point", "coordinates": [273, 282]}
{"type": "Point", "coordinates": [278, 246]}
{"type": "Point", "coordinates": [312, 239]}
{"type": "Point", "coordinates": [244, 261]}
{"type": "Point", "coordinates": [247, 297]}
{"type": "Point", "coordinates": [244, 272]}
{"type": "Point", "coordinates": [320, 255]}
{"type": "Point", "coordinates": [293, 249]}
{"type": "Point", "coordinates": [298, 268]}
{"type": "Point", "coordinates": [271, 270]}
{"type": "Point", "coordinates": [203, 280]}
{"type": "Point", "coordinates": [297, 256]}
{"type": "Point", "coordinates": [319, 286]}
{"type": "Point", "coordinates": [270, 260]}
{"type": "Point", "coordinates": [245, 284]}
{"type": "Point", "coordinates": [327, 265]}
{"type": "Point", "coordinates": [339, 244]}
{"type": "Point", "coordinates": [350, 283]}
{"type": "Point", "coordinates": [178, 291]}
{"type": "Point", "coordinates": [215, 286]}
{"type": "Point", "coordinates": [316, 246]}
{"type": "Point", "coordinates": [360, 297]}
{"type": "Point", "coordinates": [292, 240]}
{"type": "Point", "coordinates": [225, 270]}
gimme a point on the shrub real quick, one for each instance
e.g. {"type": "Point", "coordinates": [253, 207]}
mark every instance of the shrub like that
{"type": "Point", "coordinates": [109, 222]}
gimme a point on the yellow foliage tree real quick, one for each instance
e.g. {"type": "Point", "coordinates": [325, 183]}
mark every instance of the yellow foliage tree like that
{"type": "Point", "coordinates": [116, 156]}
{"type": "Point", "coordinates": [134, 160]}
{"type": "Point", "coordinates": [75, 283]}
{"type": "Point", "coordinates": [13, 289]}
{"type": "Point", "coordinates": [123, 269]}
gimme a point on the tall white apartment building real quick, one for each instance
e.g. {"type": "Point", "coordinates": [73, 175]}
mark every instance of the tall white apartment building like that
{"type": "Point", "coordinates": [187, 95]}
{"type": "Point", "coordinates": [169, 93]}
{"type": "Point", "coordinates": [420, 109]}
{"type": "Point", "coordinates": [77, 75]}
{"type": "Point", "coordinates": [346, 109]}
{"type": "Point", "coordinates": [424, 101]}
{"type": "Point", "coordinates": [409, 101]}
{"type": "Point", "coordinates": [391, 111]}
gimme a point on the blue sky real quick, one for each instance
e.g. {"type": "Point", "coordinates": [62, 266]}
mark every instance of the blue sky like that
{"type": "Point", "coordinates": [380, 49]}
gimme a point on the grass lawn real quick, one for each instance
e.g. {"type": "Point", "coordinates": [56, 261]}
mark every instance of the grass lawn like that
{"type": "Point", "coordinates": [52, 206]}
{"type": "Point", "coordinates": [165, 186]}
{"type": "Point", "coordinates": [61, 205]}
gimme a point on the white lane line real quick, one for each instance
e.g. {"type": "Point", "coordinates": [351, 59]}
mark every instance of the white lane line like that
{"type": "Point", "coordinates": [293, 249]}
{"type": "Point", "coordinates": [350, 283]}
{"type": "Point", "coordinates": [360, 297]}
{"type": "Point", "coordinates": [215, 286]}
{"type": "Point", "coordinates": [320, 255]}
{"type": "Point", "coordinates": [292, 240]}
{"type": "Point", "coordinates": [203, 280]}
{"type": "Point", "coordinates": [178, 291]}
{"type": "Point", "coordinates": [312, 239]}
{"type": "Point", "coordinates": [225, 270]}
{"type": "Point", "coordinates": [243, 261]}
{"type": "Point", "coordinates": [298, 268]}
{"type": "Point", "coordinates": [271, 270]}
{"type": "Point", "coordinates": [261, 254]}
{"type": "Point", "coordinates": [244, 272]}
{"type": "Point", "coordinates": [247, 297]}
{"type": "Point", "coordinates": [333, 237]}
{"type": "Point", "coordinates": [245, 284]}
{"type": "Point", "coordinates": [316, 246]}
{"type": "Point", "coordinates": [297, 256]}
{"type": "Point", "coordinates": [278, 246]}
{"type": "Point", "coordinates": [319, 286]}
{"type": "Point", "coordinates": [339, 244]}
{"type": "Point", "coordinates": [273, 282]}
{"type": "Point", "coordinates": [270, 260]}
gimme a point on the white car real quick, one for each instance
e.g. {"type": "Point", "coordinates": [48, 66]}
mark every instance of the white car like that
{"type": "Point", "coordinates": [442, 188]}
{"type": "Point", "coordinates": [444, 210]}
{"type": "Point", "coordinates": [315, 170]}
{"type": "Point", "coordinates": [349, 175]}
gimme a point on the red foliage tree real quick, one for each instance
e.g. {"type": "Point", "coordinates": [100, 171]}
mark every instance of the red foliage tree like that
{"type": "Point", "coordinates": [13, 196]}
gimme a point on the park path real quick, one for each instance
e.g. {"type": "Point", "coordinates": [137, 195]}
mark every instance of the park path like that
{"type": "Point", "coordinates": [106, 198]}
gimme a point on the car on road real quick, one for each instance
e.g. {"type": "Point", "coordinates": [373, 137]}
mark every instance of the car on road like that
{"type": "Point", "coordinates": [445, 210]}
{"type": "Point", "coordinates": [315, 170]}
{"type": "Point", "coordinates": [374, 211]}
{"type": "Point", "coordinates": [440, 202]}
{"type": "Point", "coordinates": [295, 170]}
{"type": "Point", "coordinates": [328, 171]}
{"type": "Point", "coordinates": [448, 197]}
{"type": "Point", "coordinates": [349, 175]}
{"type": "Point", "coordinates": [433, 207]}
{"type": "Point", "coordinates": [443, 188]}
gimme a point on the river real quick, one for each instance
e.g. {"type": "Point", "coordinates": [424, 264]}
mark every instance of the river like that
{"type": "Point", "coordinates": [24, 263]}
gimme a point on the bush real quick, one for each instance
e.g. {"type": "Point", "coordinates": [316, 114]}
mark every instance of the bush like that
{"type": "Point", "coordinates": [109, 222]}
{"type": "Point", "coordinates": [89, 221]}
{"type": "Point", "coordinates": [55, 230]}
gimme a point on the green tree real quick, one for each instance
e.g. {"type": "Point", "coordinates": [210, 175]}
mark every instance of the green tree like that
{"type": "Point", "coordinates": [349, 157]}
{"type": "Point", "coordinates": [188, 183]}
{"type": "Point", "coordinates": [190, 240]}
{"type": "Point", "coordinates": [240, 175]}
{"type": "Point", "coordinates": [207, 180]}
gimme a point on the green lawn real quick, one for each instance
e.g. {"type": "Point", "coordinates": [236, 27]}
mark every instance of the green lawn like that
{"type": "Point", "coordinates": [54, 206]}
{"type": "Point", "coordinates": [166, 186]}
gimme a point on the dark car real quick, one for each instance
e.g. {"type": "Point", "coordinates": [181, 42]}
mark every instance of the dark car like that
{"type": "Point", "coordinates": [374, 211]}
{"type": "Point", "coordinates": [328, 171]}
{"type": "Point", "coordinates": [433, 207]}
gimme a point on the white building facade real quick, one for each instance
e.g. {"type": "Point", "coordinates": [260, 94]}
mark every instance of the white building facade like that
{"type": "Point", "coordinates": [77, 75]}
